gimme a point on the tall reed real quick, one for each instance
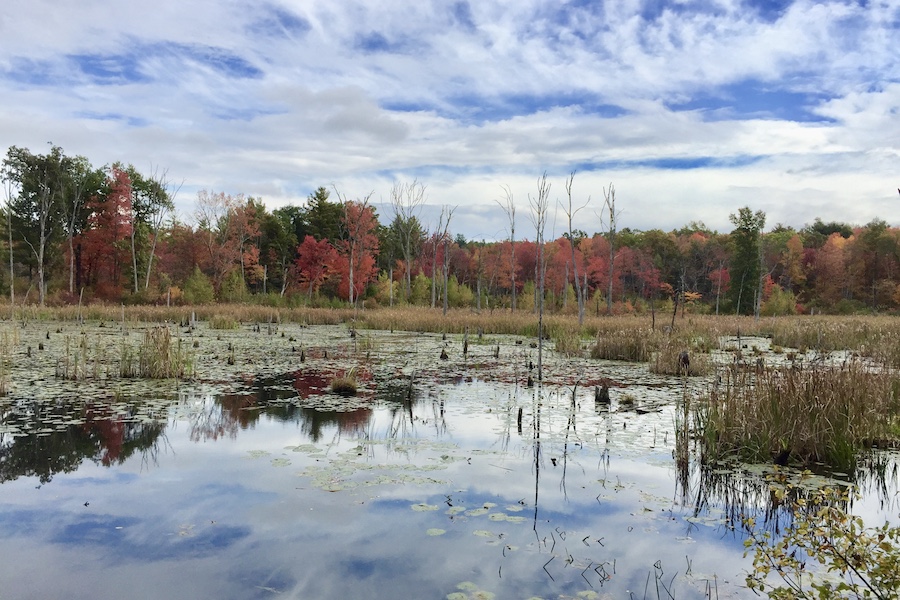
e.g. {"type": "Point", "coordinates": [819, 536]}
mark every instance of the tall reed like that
{"type": "Point", "coordinates": [158, 357]}
{"type": "Point", "coordinates": [6, 344]}
{"type": "Point", "coordinates": [827, 334]}
{"type": "Point", "coordinates": [682, 355]}
{"type": "Point", "coordinates": [634, 345]}
{"type": "Point", "coordinates": [814, 414]}
{"type": "Point", "coordinates": [220, 321]}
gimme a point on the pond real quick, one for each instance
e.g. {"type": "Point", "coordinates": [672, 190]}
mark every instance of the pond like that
{"type": "Point", "coordinates": [440, 479]}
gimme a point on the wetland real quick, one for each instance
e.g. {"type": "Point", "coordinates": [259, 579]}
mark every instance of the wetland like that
{"type": "Point", "coordinates": [460, 477]}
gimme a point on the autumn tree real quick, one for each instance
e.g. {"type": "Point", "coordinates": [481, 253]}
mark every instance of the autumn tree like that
{"type": "Point", "coordinates": [181, 250]}
{"type": "Point", "coordinates": [228, 224]}
{"type": "Point", "coordinates": [103, 248]}
{"type": "Point", "coordinates": [358, 245]}
{"type": "Point", "coordinates": [316, 259]}
{"type": "Point", "coordinates": [830, 270]}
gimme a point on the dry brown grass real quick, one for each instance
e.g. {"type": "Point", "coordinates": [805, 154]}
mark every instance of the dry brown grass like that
{"type": "Point", "coordinates": [160, 356]}
{"type": "Point", "coordinates": [816, 414]}
{"type": "Point", "coordinates": [668, 359]}
{"type": "Point", "coordinates": [632, 345]}
{"type": "Point", "coordinates": [346, 384]}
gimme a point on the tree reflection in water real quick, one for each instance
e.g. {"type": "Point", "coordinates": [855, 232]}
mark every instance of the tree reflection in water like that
{"type": "Point", "coordinates": [56, 437]}
{"type": "Point", "coordinates": [296, 398]}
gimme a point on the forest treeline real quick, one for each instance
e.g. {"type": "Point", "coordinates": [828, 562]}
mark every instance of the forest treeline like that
{"type": "Point", "coordinates": [73, 232]}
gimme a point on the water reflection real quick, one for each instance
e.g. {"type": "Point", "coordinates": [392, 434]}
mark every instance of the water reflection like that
{"type": "Point", "coordinates": [303, 397]}
{"type": "Point", "coordinates": [738, 491]}
{"type": "Point", "coordinates": [518, 491]}
{"type": "Point", "coordinates": [42, 439]}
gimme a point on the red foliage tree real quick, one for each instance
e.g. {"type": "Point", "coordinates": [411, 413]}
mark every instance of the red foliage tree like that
{"type": "Point", "coordinates": [229, 224]}
{"type": "Point", "coordinates": [315, 261]}
{"type": "Point", "coordinates": [357, 251]}
{"type": "Point", "coordinates": [102, 250]}
{"type": "Point", "coordinates": [180, 250]}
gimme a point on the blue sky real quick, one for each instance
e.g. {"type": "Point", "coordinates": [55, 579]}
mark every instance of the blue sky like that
{"type": "Point", "coordinates": [692, 109]}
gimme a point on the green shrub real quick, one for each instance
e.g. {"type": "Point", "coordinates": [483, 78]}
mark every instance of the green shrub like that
{"type": "Point", "coordinates": [780, 302]}
{"type": "Point", "coordinates": [198, 289]}
{"type": "Point", "coordinates": [858, 561]}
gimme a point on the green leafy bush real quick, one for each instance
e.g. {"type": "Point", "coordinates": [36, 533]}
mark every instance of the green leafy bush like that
{"type": "Point", "coordinates": [854, 561]}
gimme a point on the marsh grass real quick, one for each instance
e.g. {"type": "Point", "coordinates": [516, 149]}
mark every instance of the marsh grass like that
{"type": "Point", "coordinates": [406, 318]}
{"type": "Point", "coordinates": [219, 321]}
{"type": "Point", "coordinates": [799, 415]}
{"type": "Point", "coordinates": [83, 359]}
{"type": "Point", "coordinates": [346, 384]}
{"type": "Point", "coordinates": [632, 345]}
{"type": "Point", "coordinates": [159, 356]}
{"type": "Point", "coordinates": [366, 342]}
{"type": "Point", "coordinates": [567, 340]}
{"type": "Point", "coordinates": [241, 313]}
{"type": "Point", "coordinates": [668, 359]}
{"type": "Point", "coordinates": [827, 334]}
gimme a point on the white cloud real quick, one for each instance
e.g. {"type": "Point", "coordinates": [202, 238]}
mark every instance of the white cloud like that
{"type": "Point", "coordinates": [717, 103]}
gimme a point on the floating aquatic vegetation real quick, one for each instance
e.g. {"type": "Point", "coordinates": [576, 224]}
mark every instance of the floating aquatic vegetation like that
{"type": "Point", "coordinates": [470, 591]}
{"type": "Point", "coordinates": [435, 531]}
{"type": "Point", "coordinates": [422, 507]}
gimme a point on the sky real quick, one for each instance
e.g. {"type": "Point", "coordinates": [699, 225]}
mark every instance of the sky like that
{"type": "Point", "coordinates": [689, 109]}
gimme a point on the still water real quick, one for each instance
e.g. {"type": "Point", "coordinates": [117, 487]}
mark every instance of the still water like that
{"type": "Point", "coordinates": [450, 487]}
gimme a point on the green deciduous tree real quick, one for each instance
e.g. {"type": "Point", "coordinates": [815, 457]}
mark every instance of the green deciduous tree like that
{"type": "Point", "coordinates": [744, 270]}
{"type": "Point", "coordinates": [43, 182]}
{"type": "Point", "coordinates": [198, 289]}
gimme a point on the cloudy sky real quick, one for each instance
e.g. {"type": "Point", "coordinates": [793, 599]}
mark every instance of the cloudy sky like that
{"type": "Point", "coordinates": [691, 109]}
